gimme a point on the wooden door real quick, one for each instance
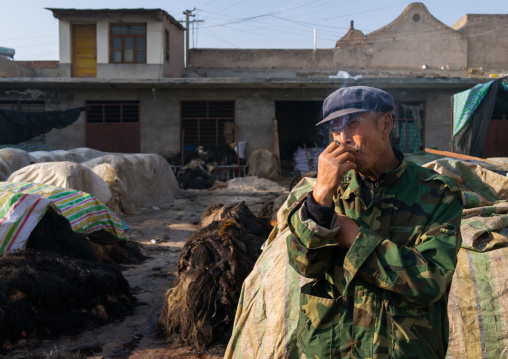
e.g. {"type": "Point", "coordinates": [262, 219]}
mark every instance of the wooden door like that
{"type": "Point", "coordinates": [496, 144]}
{"type": "Point", "coordinates": [113, 137]}
{"type": "Point", "coordinates": [84, 51]}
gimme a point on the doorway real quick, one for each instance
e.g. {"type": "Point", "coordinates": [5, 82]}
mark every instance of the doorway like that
{"type": "Point", "coordinates": [296, 123]}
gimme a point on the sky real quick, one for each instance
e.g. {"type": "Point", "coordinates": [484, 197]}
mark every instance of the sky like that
{"type": "Point", "coordinates": [33, 31]}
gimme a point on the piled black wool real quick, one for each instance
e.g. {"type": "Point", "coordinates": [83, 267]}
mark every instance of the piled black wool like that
{"type": "Point", "coordinates": [212, 266]}
{"type": "Point", "coordinates": [214, 155]}
{"type": "Point", "coordinates": [63, 282]}
{"type": "Point", "coordinates": [43, 294]}
{"type": "Point", "coordinates": [54, 233]}
{"type": "Point", "coordinates": [194, 175]}
{"type": "Point", "coordinates": [111, 250]}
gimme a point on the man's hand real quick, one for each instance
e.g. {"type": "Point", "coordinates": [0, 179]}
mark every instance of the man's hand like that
{"type": "Point", "coordinates": [334, 162]}
{"type": "Point", "coordinates": [348, 231]}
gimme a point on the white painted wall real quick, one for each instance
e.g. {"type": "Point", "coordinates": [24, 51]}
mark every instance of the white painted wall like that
{"type": "Point", "coordinates": [102, 42]}
{"type": "Point", "coordinates": [154, 42]}
{"type": "Point", "coordinates": [65, 36]}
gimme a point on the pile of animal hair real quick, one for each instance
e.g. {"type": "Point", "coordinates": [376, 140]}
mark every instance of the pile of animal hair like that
{"type": "Point", "coordinates": [212, 266]}
{"type": "Point", "coordinates": [63, 282]}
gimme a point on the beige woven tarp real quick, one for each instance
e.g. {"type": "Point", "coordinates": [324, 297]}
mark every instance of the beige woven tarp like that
{"type": "Point", "coordinates": [263, 164]}
{"type": "Point", "coordinates": [145, 179]}
{"type": "Point", "coordinates": [266, 320]}
{"type": "Point", "coordinates": [12, 159]}
{"type": "Point", "coordinates": [64, 174]}
{"type": "Point", "coordinates": [77, 155]}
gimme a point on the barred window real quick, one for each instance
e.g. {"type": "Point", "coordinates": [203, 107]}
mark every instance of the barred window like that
{"type": "Point", "coordinates": [408, 127]}
{"type": "Point", "coordinates": [208, 123]}
{"type": "Point", "coordinates": [112, 112]}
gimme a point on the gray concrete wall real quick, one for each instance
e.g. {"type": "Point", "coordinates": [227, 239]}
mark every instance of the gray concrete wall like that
{"type": "Point", "coordinates": [129, 71]}
{"type": "Point", "coordinates": [9, 68]}
{"type": "Point", "coordinates": [487, 41]}
{"type": "Point", "coordinates": [254, 112]}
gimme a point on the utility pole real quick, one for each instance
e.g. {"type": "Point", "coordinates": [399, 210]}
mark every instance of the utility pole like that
{"type": "Point", "coordinates": [187, 14]}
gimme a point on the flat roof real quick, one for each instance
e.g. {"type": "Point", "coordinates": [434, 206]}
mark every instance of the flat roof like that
{"type": "Point", "coordinates": [236, 82]}
{"type": "Point", "coordinates": [62, 13]}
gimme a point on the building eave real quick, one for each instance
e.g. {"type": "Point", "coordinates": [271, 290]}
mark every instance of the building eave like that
{"type": "Point", "coordinates": [235, 82]}
{"type": "Point", "coordinates": [62, 14]}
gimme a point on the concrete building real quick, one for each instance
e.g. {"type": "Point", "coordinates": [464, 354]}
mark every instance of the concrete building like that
{"type": "Point", "coordinates": [128, 66]}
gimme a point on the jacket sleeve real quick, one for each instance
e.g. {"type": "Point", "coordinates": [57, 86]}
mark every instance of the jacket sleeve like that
{"type": "Point", "coordinates": [311, 247]}
{"type": "Point", "coordinates": [419, 274]}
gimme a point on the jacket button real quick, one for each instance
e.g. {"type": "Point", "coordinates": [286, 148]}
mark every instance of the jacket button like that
{"type": "Point", "coordinates": [423, 176]}
{"type": "Point", "coordinates": [357, 342]}
{"type": "Point", "coordinates": [303, 311]}
{"type": "Point", "coordinates": [360, 293]}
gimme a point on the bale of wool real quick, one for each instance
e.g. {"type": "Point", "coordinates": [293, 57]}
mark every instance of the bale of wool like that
{"type": "Point", "coordinates": [263, 164]}
{"type": "Point", "coordinates": [147, 179]}
{"type": "Point", "coordinates": [64, 174]}
{"type": "Point", "coordinates": [212, 266]}
{"type": "Point", "coordinates": [12, 159]}
{"type": "Point", "coordinates": [43, 294]}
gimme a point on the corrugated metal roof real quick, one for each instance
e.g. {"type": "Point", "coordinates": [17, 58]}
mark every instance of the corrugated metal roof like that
{"type": "Point", "coordinates": [62, 13]}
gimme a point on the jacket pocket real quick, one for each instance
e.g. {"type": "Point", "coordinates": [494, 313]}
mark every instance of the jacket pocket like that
{"type": "Point", "coordinates": [413, 335]}
{"type": "Point", "coordinates": [406, 235]}
{"type": "Point", "coordinates": [316, 324]}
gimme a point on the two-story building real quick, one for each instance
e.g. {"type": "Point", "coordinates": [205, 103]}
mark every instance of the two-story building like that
{"type": "Point", "coordinates": [127, 65]}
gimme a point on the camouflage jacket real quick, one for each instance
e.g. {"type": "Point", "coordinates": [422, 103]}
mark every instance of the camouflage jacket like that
{"type": "Point", "coordinates": [385, 297]}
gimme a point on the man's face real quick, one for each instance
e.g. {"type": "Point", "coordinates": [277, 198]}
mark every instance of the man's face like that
{"type": "Point", "coordinates": [362, 132]}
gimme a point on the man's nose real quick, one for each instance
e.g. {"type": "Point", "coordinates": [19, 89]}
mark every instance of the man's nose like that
{"type": "Point", "coordinates": [345, 138]}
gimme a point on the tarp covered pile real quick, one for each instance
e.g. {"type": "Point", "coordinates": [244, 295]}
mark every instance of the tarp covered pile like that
{"type": "Point", "coordinates": [23, 205]}
{"type": "Point", "coordinates": [124, 182]}
{"type": "Point", "coordinates": [267, 315]}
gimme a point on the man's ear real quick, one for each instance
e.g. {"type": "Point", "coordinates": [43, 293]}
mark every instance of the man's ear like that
{"type": "Point", "coordinates": [385, 124]}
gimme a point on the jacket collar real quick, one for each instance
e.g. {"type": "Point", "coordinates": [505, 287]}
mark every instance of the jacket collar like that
{"type": "Point", "coordinates": [387, 178]}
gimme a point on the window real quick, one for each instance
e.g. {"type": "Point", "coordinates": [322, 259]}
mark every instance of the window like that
{"type": "Point", "coordinates": [208, 123]}
{"type": "Point", "coordinates": [166, 38]}
{"type": "Point", "coordinates": [112, 112]}
{"type": "Point", "coordinates": [128, 43]}
{"type": "Point", "coordinates": [25, 106]}
{"type": "Point", "coordinates": [408, 126]}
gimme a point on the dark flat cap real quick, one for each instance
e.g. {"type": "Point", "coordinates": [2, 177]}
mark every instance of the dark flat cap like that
{"type": "Point", "coordinates": [348, 100]}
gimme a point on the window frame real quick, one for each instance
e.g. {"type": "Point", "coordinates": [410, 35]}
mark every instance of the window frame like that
{"type": "Point", "coordinates": [406, 120]}
{"type": "Point", "coordinates": [127, 36]}
{"type": "Point", "coordinates": [104, 104]}
{"type": "Point", "coordinates": [202, 133]}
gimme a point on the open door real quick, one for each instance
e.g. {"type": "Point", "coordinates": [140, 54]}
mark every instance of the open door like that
{"type": "Point", "coordinates": [84, 50]}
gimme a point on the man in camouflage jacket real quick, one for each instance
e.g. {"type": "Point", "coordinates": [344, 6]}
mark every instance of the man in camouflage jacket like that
{"type": "Point", "coordinates": [380, 237]}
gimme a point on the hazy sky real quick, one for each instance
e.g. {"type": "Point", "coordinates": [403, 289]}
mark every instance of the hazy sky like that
{"type": "Point", "coordinates": [33, 32]}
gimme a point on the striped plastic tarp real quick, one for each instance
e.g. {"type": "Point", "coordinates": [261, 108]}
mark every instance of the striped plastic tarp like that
{"type": "Point", "coordinates": [85, 212]}
{"type": "Point", "coordinates": [466, 102]}
{"type": "Point", "coordinates": [29, 146]}
{"type": "Point", "coordinates": [19, 214]}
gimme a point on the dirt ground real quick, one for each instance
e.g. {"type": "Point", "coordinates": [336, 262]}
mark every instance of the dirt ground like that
{"type": "Point", "coordinates": [162, 230]}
